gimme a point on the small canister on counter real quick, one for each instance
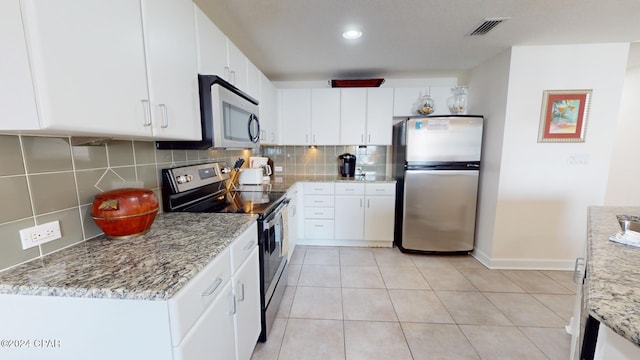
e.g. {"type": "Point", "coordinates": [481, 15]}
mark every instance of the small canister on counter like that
{"type": "Point", "coordinates": [126, 212]}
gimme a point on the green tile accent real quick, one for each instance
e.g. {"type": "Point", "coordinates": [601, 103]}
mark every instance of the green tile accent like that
{"type": "Point", "coordinates": [11, 252]}
{"type": "Point", "coordinates": [70, 228]}
{"type": "Point", "coordinates": [46, 154]}
{"type": "Point", "coordinates": [16, 203]}
{"type": "Point", "coordinates": [120, 153]}
{"type": "Point", "coordinates": [89, 157]}
{"type": "Point", "coordinates": [144, 152]}
{"type": "Point", "coordinates": [53, 192]}
{"type": "Point", "coordinates": [11, 159]}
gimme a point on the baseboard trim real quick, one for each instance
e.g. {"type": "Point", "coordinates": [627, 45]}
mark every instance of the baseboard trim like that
{"type": "Point", "coordinates": [523, 264]}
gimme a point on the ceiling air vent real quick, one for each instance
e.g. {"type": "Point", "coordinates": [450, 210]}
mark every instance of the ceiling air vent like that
{"type": "Point", "coordinates": [348, 83]}
{"type": "Point", "coordinates": [487, 25]}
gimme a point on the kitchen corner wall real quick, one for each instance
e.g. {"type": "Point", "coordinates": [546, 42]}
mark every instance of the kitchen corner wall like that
{"type": "Point", "coordinates": [323, 160]}
{"type": "Point", "coordinates": [44, 179]}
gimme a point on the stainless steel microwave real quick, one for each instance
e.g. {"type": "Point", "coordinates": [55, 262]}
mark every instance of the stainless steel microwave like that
{"type": "Point", "coordinates": [229, 118]}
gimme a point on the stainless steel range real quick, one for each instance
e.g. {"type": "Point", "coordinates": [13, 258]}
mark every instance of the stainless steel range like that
{"type": "Point", "coordinates": [206, 188]}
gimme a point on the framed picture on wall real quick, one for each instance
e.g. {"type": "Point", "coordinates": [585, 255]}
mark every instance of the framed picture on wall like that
{"type": "Point", "coordinates": [564, 115]}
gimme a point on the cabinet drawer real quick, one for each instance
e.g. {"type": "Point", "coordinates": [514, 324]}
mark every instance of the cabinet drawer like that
{"type": "Point", "coordinates": [318, 213]}
{"type": "Point", "coordinates": [242, 247]}
{"type": "Point", "coordinates": [349, 189]}
{"type": "Point", "coordinates": [318, 229]}
{"type": "Point", "coordinates": [381, 189]}
{"type": "Point", "coordinates": [318, 201]}
{"type": "Point", "coordinates": [187, 305]}
{"type": "Point", "coordinates": [318, 188]}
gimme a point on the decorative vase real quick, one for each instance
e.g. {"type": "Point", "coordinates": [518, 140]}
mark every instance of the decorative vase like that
{"type": "Point", "coordinates": [427, 105]}
{"type": "Point", "coordinates": [458, 102]}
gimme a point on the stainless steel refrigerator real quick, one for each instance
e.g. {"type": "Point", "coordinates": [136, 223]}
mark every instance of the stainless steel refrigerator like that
{"type": "Point", "coordinates": [436, 162]}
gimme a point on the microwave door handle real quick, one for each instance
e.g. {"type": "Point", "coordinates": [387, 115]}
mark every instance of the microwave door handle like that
{"type": "Point", "coordinates": [253, 137]}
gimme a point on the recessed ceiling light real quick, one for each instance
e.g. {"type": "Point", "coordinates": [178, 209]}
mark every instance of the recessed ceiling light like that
{"type": "Point", "coordinates": [352, 34]}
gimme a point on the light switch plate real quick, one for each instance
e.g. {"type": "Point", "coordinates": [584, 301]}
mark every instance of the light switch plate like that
{"type": "Point", "coordinates": [40, 234]}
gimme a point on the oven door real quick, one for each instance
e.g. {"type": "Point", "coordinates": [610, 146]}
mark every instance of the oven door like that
{"type": "Point", "coordinates": [272, 237]}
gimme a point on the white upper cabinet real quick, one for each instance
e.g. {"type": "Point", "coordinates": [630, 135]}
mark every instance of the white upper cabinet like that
{"type": "Point", "coordinates": [268, 108]}
{"type": "Point", "coordinates": [325, 117]}
{"type": "Point", "coordinates": [170, 44]}
{"type": "Point", "coordinates": [97, 72]}
{"type": "Point", "coordinates": [88, 63]}
{"type": "Point", "coordinates": [212, 46]}
{"type": "Point", "coordinates": [353, 113]}
{"type": "Point", "coordinates": [218, 55]}
{"type": "Point", "coordinates": [17, 103]}
{"type": "Point", "coordinates": [310, 116]}
{"type": "Point", "coordinates": [295, 113]}
{"type": "Point", "coordinates": [379, 116]}
{"type": "Point", "coordinates": [253, 81]}
{"type": "Point", "coordinates": [366, 116]}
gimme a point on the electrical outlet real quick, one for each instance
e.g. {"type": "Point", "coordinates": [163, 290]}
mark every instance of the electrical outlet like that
{"type": "Point", "coordinates": [40, 234]}
{"type": "Point", "coordinates": [278, 168]}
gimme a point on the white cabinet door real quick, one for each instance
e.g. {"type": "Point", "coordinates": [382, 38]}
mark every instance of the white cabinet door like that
{"type": "Point", "coordinates": [379, 116]}
{"type": "Point", "coordinates": [379, 214]}
{"type": "Point", "coordinates": [170, 44]}
{"type": "Point", "coordinates": [269, 129]}
{"type": "Point", "coordinates": [246, 283]}
{"type": "Point", "coordinates": [237, 66]}
{"type": "Point", "coordinates": [253, 81]}
{"type": "Point", "coordinates": [353, 116]}
{"type": "Point", "coordinates": [212, 336]}
{"type": "Point", "coordinates": [325, 116]}
{"type": "Point", "coordinates": [212, 45]}
{"type": "Point", "coordinates": [349, 217]}
{"type": "Point", "coordinates": [295, 105]}
{"type": "Point", "coordinates": [17, 103]}
{"type": "Point", "coordinates": [88, 63]}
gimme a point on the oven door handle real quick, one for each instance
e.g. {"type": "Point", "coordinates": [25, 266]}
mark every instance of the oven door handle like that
{"type": "Point", "coordinates": [268, 222]}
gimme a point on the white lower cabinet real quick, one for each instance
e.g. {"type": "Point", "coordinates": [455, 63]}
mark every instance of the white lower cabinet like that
{"type": "Point", "coordinates": [213, 332]}
{"type": "Point", "coordinates": [216, 315]}
{"type": "Point", "coordinates": [358, 214]}
{"type": "Point", "coordinates": [246, 294]}
{"type": "Point", "coordinates": [379, 212]}
{"type": "Point", "coordinates": [349, 211]}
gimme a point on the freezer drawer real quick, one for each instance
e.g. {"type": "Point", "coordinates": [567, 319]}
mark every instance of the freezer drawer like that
{"type": "Point", "coordinates": [439, 211]}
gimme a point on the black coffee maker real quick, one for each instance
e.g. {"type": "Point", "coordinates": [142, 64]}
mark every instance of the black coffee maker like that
{"type": "Point", "coordinates": [347, 165]}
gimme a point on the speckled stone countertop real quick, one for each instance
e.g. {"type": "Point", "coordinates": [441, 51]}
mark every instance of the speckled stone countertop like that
{"type": "Point", "coordinates": [283, 183]}
{"type": "Point", "coordinates": [150, 267]}
{"type": "Point", "coordinates": [613, 273]}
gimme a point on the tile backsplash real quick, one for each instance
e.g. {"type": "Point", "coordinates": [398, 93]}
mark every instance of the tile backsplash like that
{"type": "Point", "coordinates": [44, 179]}
{"type": "Point", "coordinates": [323, 160]}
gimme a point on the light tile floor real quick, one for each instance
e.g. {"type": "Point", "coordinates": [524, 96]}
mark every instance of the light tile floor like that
{"type": "Point", "coordinates": [374, 303]}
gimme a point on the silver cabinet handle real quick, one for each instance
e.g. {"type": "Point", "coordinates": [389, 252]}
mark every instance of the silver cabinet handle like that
{"type": "Point", "coordinates": [318, 226]}
{"type": "Point", "coordinates": [362, 138]}
{"type": "Point", "coordinates": [249, 245]}
{"type": "Point", "coordinates": [234, 309]}
{"type": "Point", "coordinates": [306, 138]}
{"type": "Point", "coordinates": [273, 137]}
{"type": "Point", "coordinates": [314, 138]}
{"type": "Point", "coordinates": [227, 73]}
{"type": "Point", "coordinates": [147, 112]}
{"type": "Point", "coordinates": [368, 203]}
{"type": "Point", "coordinates": [233, 77]}
{"type": "Point", "coordinates": [165, 116]}
{"type": "Point", "coordinates": [360, 202]}
{"type": "Point", "coordinates": [241, 291]}
{"type": "Point", "coordinates": [369, 138]}
{"type": "Point", "coordinates": [577, 274]}
{"type": "Point", "coordinates": [213, 287]}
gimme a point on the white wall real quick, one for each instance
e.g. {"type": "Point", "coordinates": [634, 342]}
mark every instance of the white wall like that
{"type": "Point", "coordinates": [488, 90]}
{"type": "Point", "coordinates": [542, 200]}
{"type": "Point", "coordinates": [622, 187]}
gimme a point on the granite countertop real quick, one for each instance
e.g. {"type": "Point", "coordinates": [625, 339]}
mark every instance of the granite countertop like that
{"type": "Point", "coordinates": [613, 273]}
{"type": "Point", "coordinates": [150, 267]}
{"type": "Point", "coordinates": [283, 183]}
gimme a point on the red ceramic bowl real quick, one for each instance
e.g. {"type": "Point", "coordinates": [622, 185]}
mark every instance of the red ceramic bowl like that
{"type": "Point", "coordinates": [123, 213]}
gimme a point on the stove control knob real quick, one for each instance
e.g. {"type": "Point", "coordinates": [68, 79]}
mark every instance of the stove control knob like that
{"type": "Point", "coordinates": [225, 170]}
{"type": "Point", "coordinates": [181, 179]}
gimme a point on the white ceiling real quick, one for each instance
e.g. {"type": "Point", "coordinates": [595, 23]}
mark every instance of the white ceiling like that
{"type": "Point", "coordinates": [301, 39]}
